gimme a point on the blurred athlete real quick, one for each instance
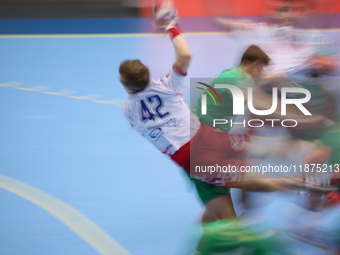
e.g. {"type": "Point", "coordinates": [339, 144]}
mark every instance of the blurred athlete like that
{"type": "Point", "coordinates": [296, 53]}
{"type": "Point", "coordinates": [288, 58]}
{"type": "Point", "coordinates": [156, 109]}
{"type": "Point", "coordinates": [252, 63]}
{"type": "Point", "coordinates": [287, 46]}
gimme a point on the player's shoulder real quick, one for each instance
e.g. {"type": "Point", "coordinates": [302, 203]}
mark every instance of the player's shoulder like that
{"type": "Point", "coordinates": [173, 76]}
{"type": "Point", "coordinates": [226, 76]}
{"type": "Point", "coordinates": [227, 73]}
{"type": "Point", "coordinates": [160, 83]}
{"type": "Point", "coordinates": [235, 72]}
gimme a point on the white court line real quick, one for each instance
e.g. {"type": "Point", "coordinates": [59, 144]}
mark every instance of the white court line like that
{"type": "Point", "coordinates": [76, 221]}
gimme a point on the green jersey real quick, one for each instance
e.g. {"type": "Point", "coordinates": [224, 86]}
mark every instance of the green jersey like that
{"type": "Point", "coordinates": [234, 76]}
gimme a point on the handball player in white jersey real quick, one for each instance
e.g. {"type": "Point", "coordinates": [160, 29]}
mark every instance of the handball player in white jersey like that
{"type": "Point", "coordinates": [156, 109]}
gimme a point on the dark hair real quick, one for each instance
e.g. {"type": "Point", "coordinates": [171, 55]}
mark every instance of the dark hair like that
{"type": "Point", "coordinates": [135, 75]}
{"type": "Point", "coordinates": [284, 9]}
{"type": "Point", "coordinates": [254, 53]}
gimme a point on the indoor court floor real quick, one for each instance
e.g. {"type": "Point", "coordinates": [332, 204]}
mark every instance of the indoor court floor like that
{"type": "Point", "coordinates": [74, 178]}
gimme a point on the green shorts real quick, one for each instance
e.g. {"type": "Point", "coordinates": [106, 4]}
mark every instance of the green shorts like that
{"type": "Point", "coordinates": [230, 236]}
{"type": "Point", "coordinates": [208, 192]}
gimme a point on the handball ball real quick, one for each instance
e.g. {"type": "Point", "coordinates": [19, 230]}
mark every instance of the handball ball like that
{"type": "Point", "coordinates": [163, 12]}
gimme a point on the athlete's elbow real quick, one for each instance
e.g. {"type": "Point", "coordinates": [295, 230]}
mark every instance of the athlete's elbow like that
{"type": "Point", "coordinates": [185, 56]}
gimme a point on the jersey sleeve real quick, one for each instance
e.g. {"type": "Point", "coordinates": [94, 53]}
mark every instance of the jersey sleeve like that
{"type": "Point", "coordinates": [175, 79]}
{"type": "Point", "coordinates": [127, 113]}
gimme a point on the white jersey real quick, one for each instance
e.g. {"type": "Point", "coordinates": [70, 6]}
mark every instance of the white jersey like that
{"type": "Point", "coordinates": [160, 114]}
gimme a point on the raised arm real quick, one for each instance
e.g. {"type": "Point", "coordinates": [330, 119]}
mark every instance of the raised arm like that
{"type": "Point", "coordinates": [183, 55]}
{"type": "Point", "coordinates": [165, 18]}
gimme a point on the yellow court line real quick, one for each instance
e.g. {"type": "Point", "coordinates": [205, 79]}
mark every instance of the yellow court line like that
{"type": "Point", "coordinates": [27, 89]}
{"type": "Point", "coordinates": [106, 35]}
{"type": "Point", "coordinates": [31, 89]}
{"type": "Point", "coordinates": [66, 93]}
{"type": "Point", "coordinates": [330, 29]}
{"type": "Point", "coordinates": [76, 221]}
{"type": "Point", "coordinates": [116, 102]}
{"type": "Point", "coordinates": [61, 93]}
{"type": "Point", "coordinates": [127, 34]}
